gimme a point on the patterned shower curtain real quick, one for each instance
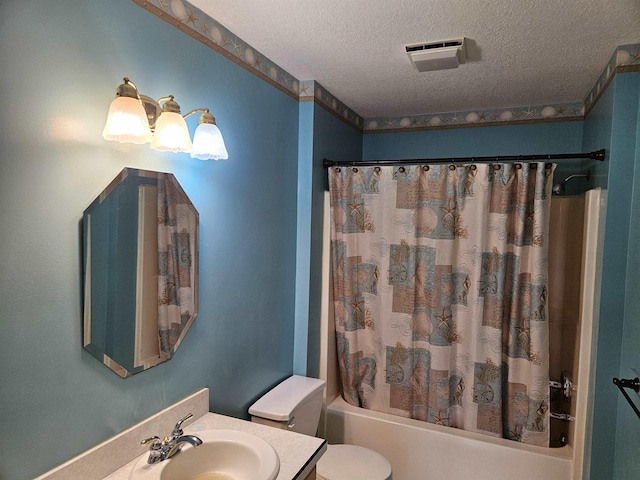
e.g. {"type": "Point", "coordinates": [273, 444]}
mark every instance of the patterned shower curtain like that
{"type": "Point", "coordinates": [177, 258]}
{"type": "Point", "coordinates": [440, 293]}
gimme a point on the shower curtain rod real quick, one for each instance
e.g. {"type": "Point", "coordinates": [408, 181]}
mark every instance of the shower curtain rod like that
{"type": "Point", "coordinates": [595, 155]}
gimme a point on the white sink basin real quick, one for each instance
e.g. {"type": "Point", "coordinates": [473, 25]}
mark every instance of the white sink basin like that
{"type": "Point", "coordinates": [223, 455]}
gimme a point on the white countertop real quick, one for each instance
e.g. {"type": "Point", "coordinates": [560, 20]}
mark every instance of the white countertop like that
{"type": "Point", "coordinates": [298, 453]}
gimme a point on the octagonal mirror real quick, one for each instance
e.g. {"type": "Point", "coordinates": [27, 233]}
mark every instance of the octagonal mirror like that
{"type": "Point", "coordinates": [140, 271]}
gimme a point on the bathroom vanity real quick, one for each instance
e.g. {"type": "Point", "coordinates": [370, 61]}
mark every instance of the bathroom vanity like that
{"type": "Point", "coordinates": [117, 458]}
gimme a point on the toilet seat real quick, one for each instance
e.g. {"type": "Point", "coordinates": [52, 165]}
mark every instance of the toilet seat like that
{"type": "Point", "coordinates": [352, 462]}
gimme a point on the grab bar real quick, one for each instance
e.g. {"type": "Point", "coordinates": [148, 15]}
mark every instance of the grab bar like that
{"type": "Point", "coordinates": [565, 384]}
{"type": "Point", "coordinates": [562, 416]}
{"type": "Point", "coordinates": [633, 384]}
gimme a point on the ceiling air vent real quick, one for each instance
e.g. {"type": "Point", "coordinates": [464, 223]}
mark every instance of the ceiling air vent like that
{"type": "Point", "coordinates": [437, 55]}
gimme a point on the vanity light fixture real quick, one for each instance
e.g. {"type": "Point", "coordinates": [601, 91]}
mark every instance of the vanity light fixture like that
{"type": "Point", "coordinates": [171, 132]}
{"type": "Point", "coordinates": [127, 119]}
{"type": "Point", "coordinates": [135, 118]}
{"type": "Point", "coordinates": [208, 143]}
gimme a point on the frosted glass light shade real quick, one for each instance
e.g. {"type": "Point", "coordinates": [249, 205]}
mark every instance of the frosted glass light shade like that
{"type": "Point", "coordinates": [208, 143]}
{"type": "Point", "coordinates": [171, 134]}
{"type": "Point", "coordinates": [127, 122]}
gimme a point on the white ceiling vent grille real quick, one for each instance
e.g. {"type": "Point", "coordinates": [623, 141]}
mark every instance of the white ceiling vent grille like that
{"type": "Point", "coordinates": [437, 55]}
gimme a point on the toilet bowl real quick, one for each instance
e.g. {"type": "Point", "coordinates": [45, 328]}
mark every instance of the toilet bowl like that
{"type": "Point", "coordinates": [295, 405]}
{"type": "Point", "coordinates": [352, 462]}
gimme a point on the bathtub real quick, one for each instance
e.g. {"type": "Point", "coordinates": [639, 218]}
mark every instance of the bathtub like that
{"type": "Point", "coordinates": [421, 451]}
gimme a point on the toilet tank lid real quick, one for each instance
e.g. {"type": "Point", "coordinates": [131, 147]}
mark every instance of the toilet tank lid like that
{"type": "Point", "coordinates": [278, 403]}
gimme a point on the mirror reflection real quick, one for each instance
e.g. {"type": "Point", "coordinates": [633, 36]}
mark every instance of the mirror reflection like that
{"type": "Point", "coordinates": [140, 270]}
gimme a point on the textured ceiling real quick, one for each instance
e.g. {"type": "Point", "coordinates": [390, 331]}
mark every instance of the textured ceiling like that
{"type": "Point", "coordinates": [518, 52]}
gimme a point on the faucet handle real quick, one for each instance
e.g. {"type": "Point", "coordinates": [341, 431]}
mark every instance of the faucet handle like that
{"type": "Point", "coordinates": [155, 442]}
{"type": "Point", "coordinates": [177, 430]}
{"type": "Point", "coordinates": [155, 450]}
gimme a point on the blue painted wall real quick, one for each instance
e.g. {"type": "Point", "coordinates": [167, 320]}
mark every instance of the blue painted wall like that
{"type": "Point", "coordinates": [597, 131]}
{"type": "Point", "coordinates": [303, 250]}
{"type": "Point", "coordinates": [627, 442]}
{"type": "Point", "coordinates": [500, 140]}
{"type": "Point", "coordinates": [486, 141]}
{"type": "Point", "coordinates": [61, 64]}
{"type": "Point", "coordinates": [613, 123]}
{"type": "Point", "coordinates": [618, 331]}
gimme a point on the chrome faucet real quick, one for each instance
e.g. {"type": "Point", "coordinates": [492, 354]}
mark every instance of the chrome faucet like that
{"type": "Point", "coordinates": [160, 450]}
{"type": "Point", "coordinates": [192, 439]}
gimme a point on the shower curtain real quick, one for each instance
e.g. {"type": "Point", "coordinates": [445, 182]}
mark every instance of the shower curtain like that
{"type": "Point", "coordinates": [440, 293]}
{"type": "Point", "coordinates": [177, 234]}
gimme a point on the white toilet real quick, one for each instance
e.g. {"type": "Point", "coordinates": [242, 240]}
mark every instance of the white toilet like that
{"type": "Point", "coordinates": [295, 405]}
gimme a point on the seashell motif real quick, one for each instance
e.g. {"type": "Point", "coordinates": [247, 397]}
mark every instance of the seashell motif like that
{"type": "Point", "coordinates": [179, 10]}
{"type": "Point", "coordinates": [472, 117]}
{"type": "Point", "coordinates": [506, 116]}
{"type": "Point", "coordinates": [549, 111]}
{"type": "Point", "coordinates": [216, 35]}
{"type": "Point", "coordinates": [249, 56]}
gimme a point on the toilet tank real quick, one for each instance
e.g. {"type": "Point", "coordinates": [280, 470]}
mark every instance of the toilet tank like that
{"type": "Point", "coordinates": [294, 404]}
